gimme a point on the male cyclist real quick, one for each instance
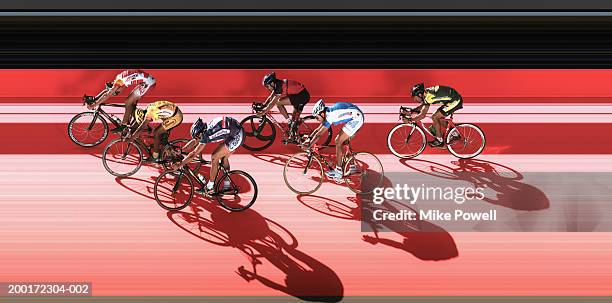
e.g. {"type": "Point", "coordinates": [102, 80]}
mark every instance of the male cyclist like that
{"type": "Point", "coordinates": [138, 78]}
{"type": "Point", "coordinates": [226, 129]}
{"type": "Point", "coordinates": [165, 112]}
{"type": "Point", "coordinates": [451, 101]}
{"type": "Point", "coordinates": [341, 112]}
{"type": "Point", "coordinates": [284, 92]}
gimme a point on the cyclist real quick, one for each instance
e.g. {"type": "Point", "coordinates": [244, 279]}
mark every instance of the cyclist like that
{"type": "Point", "coordinates": [226, 129]}
{"type": "Point", "coordinates": [138, 78]}
{"type": "Point", "coordinates": [284, 92]}
{"type": "Point", "coordinates": [342, 112]}
{"type": "Point", "coordinates": [167, 113]}
{"type": "Point", "coordinates": [451, 101]}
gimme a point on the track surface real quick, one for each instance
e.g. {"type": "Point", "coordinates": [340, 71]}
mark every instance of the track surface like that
{"type": "Point", "coordinates": [64, 218]}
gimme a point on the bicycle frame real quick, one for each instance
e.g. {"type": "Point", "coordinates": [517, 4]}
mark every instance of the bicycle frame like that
{"type": "Point", "coordinates": [314, 152]}
{"type": "Point", "coordinates": [449, 125]}
{"type": "Point", "coordinates": [191, 173]}
{"type": "Point", "coordinates": [99, 111]}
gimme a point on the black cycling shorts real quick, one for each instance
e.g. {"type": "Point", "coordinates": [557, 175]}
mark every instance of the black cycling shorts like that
{"type": "Point", "coordinates": [300, 99]}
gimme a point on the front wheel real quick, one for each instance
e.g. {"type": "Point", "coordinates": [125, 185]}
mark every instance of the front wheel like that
{"type": "Point", "coordinates": [122, 158]}
{"type": "Point", "coordinates": [87, 129]}
{"type": "Point", "coordinates": [363, 172]}
{"type": "Point", "coordinates": [259, 133]}
{"type": "Point", "coordinates": [236, 191]}
{"type": "Point", "coordinates": [173, 190]}
{"type": "Point", "coordinates": [465, 141]}
{"type": "Point", "coordinates": [303, 173]}
{"type": "Point", "coordinates": [406, 141]}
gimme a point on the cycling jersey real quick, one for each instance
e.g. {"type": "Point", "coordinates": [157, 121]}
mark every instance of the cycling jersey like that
{"type": "Point", "coordinates": [451, 99]}
{"type": "Point", "coordinates": [440, 94]}
{"type": "Point", "coordinates": [288, 87]}
{"type": "Point", "coordinates": [165, 111]}
{"type": "Point", "coordinates": [133, 77]}
{"type": "Point", "coordinates": [221, 128]}
{"type": "Point", "coordinates": [342, 112]}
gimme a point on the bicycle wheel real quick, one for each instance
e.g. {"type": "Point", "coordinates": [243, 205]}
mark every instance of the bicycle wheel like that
{"type": "Point", "coordinates": [307, 126]}
{"type": "Point", "coordinates": [173, 152]}
{"type": "Point", "coordinates": [236, 191]}
{"type": "Point", "coordinates": [259, 133]}
{"type": "Point", "coordinates": [363, 172]}
{"type": "Point", "coordinates": [87, 129]}
{"type": "Point", "coordinates": [406, 141]}
{"type": "Point", "coordinates": [122, 159]}
{"type": "Point", "coordinates": [465, 141]}
{"type": "Point", "coordinates": [303, 173]}
{"type": "Point", "coordinates": [173, 190]}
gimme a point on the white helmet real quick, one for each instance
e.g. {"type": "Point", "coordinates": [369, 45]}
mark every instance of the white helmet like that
{"type": "Point", "coordinates": [318, 108]}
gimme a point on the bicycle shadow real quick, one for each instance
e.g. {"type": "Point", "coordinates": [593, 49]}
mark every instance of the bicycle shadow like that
{"type": "Point", "coordinates": [509, 192]}
{"type": "Point", "coordinates": [424, 240]}
{"type": "Point", "coordinates": [261, 239]}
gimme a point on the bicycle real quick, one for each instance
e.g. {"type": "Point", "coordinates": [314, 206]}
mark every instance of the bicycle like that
{"type": "Point", "coordinates": [174, 190]}
{"type": "Point", "coordinates": [88, 123]}
{"type": "Point", "coordinates": [263, 130]}
{"type": "Point", "coordinates": [408, 140]}
{"type": "Point", "coordinates": [128, 154]}
{"type": "Point", "coordinates": [363, 171]}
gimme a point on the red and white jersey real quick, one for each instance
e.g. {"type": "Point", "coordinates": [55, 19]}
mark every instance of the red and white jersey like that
{"type": "Point", "coordinates": [133, 77]}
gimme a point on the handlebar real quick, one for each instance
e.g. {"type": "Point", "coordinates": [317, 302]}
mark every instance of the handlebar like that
{"type": "Point", "coordinates": [257, 107]}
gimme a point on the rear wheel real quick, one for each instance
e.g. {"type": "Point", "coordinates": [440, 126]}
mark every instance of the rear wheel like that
{"type": "Point", "coordinates": [122, 158]}
{"type": "Point", "coordinates": [259, 133]}
{"type": "Point", "coordinates": [363, 172]}
{"type": "Point", "coordinates": [406, 141]}
{"type": "Point", "coordinates": [465, 141]}
{"type": "Point", "coordinates": [173, 190]}
{"type": "Point", "coordinates": [236, 191]}
{"type": "Point", "coordinates": [303, 173]}
{"type": "Point", "coordinates": [87, 129]}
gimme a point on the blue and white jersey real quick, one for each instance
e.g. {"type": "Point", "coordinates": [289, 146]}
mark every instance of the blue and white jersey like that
{"type": "Point", "coordinates": [341, 112]}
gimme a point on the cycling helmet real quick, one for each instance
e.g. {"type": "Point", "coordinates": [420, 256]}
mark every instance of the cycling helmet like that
{"type": "Point", "coordinates": [269, 79]}
{"type": "Point", "coordinates": [319, 107]}
{"type": "Point", "coordinates": [198, 127]}
{"type": "Point", "coordinates": [418, 89]}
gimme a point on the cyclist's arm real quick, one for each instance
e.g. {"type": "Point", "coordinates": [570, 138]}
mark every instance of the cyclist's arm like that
{"type": "Point", "coordinates": [142, 125]}
{"type": "Point", "coordinates": [191, 144]}
{"type": "Point", "coordinates": [105, 94]}
{"type": "Point", "coordinates": [194, 153]}
{"type": "Point", "coordinates": [423, 109]}
{"type": "Point", "coordinates": [270, 102]}
{"type": "Point", "coordinates": [316, 134]}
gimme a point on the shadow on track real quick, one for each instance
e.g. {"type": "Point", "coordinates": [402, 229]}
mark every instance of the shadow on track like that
{"type": "Point", "coordinates": [262, 239]}
{"type": "Point", "coordinates": [504, 181]}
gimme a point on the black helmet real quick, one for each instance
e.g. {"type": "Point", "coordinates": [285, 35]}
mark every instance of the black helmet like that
{"type": "Point", "coordinates": [418, 89]}
{"type": "Point", "coordinates": [197, 128]}
{"type": "Point", "coordinates": [269, 79]}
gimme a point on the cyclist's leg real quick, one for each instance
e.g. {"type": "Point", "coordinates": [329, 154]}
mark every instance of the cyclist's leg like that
{"type": "Point", "coordinates": [163, 130]}
{"type": "Point", "coordinates": [350, 129]}
{"type": "Point", "coordinates": [298, 101]}
{"type": "Point", "coordinates": [217, 156]}
{"type": "Point", "coordinates": [159, 135]}
{"type": "Point", "coordinates": [280, 104]}
{"type": "Point", "coordinates": [445, 111]}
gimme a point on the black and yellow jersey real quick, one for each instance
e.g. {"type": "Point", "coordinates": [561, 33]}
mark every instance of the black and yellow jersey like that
{"type": "Point", "coordinates": [157, 111]}
{"type": "Point", "coordinates": [440, 94]}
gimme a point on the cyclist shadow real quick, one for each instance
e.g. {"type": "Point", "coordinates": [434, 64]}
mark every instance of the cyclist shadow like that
{"type": "Point", "coordinates": [262, 239]}
{"type": "Point", "coordinates": [424, 240]}
{"type": "Point", "coordinates": [276, 159]}
{"type": "Point", "coordinates": [509, 191]}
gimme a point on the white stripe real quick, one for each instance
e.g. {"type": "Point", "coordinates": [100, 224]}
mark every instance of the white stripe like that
{"type": "Point", "coordinates": [375, 113]}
